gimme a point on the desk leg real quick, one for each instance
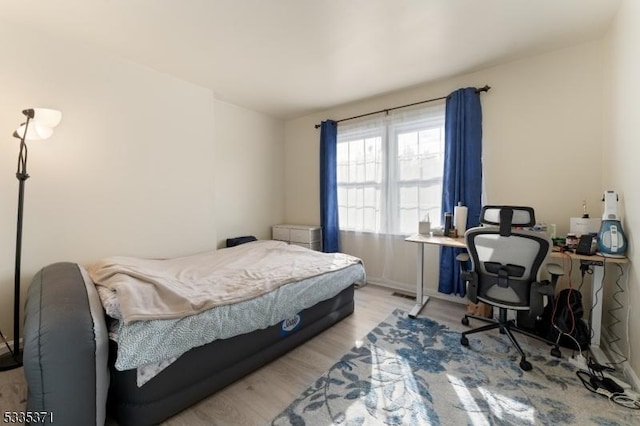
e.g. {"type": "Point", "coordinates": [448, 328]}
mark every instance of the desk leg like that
{"type": "Point", "coordinates": [421, 299]}
{"type": "Point", "coordinates": [597, 294]}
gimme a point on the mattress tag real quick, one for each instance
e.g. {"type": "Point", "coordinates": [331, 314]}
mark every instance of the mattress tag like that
{"type": "Point", "coordinates": [290, 325]}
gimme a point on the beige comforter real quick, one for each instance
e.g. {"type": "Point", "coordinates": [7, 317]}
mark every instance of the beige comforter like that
{"type": "Point", "coordinates": [173, 288]}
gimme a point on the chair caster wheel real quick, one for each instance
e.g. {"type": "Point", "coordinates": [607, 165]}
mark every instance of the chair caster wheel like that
{"type": "Point", "coordinates": [464, 341]}
{"type": "Point", "coordinates": [525, 365]}
{"type": "Point", "coordinates": [555, 351]}
{"type": "Point", "coordinates": [465, 321]}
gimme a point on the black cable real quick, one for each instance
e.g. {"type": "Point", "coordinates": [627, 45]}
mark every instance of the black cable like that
{"type": "Point", "coordinates": [595, 302]}
{"type": "Point", "coordinates": [581, 282]}
{"type": "Point", "coordinates": [570, 267]}
{"type": "Point", "coordinates": [585, 269]}
{"type": "Point", "coordinates": [590, 380]}
{"type": "Point", "coordinates": [557, 303]}
{"type": "Point", "coordinates": [586, 382]}
{"type": "Point", "coordinates": [615, 321]}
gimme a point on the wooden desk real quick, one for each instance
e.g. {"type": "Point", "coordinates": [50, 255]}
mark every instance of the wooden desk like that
{"type": "Point", "coordinates": [598, 263]}
{"type": "Point", "coordinates": [421, 240]}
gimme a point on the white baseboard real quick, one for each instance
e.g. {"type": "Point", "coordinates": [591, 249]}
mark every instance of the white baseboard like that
{"type": "Point", "coordinates": [412, 290]}
{"type": "Point", "coordinates": [611, 350]}
{"type": "Point", "coordinates": [3, 348]}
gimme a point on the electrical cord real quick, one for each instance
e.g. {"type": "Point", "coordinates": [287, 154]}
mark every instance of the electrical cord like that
{"type": "Point", "coordinates": [563, 333]}
{"type": "Point", "coordinates": [555, 308]}
{"type": "Point", "coordinates": [573, 316]}
{"type": "Point", "coordinates": [585, 269]}
{"type": "Point", "coordinates": [610, 311]}
{"type": "Point", "coordinates": [594, 381]}
{"type": "Point", "coordinates": [625, 400]}
{"type": "Point", "coordinates": [615, 320]}
{"type": "Point", "coordinates": [565, 258]}
{"type": "Point", "coordinates": [595, 301]}
{"type": "Point", "coordinates": [585, 378]}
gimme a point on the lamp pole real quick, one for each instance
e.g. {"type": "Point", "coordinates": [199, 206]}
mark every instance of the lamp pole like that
{"type": "Point", "coordinates": [22, 177]}
{"type": "Point", "coordinates": [14, 359]}
{"type": "Point", "coordinates": [42, 120]}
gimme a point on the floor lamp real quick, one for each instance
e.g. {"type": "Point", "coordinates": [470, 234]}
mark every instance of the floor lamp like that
{"type": "Point", "coordinates": [39, 125]}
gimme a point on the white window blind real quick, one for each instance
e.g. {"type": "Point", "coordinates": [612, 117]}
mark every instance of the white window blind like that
{"type": "Point", "coordinates": [390, 171]}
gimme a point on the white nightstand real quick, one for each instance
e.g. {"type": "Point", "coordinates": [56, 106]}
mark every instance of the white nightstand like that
{"type": "Point", "coordinates": [301, 235]}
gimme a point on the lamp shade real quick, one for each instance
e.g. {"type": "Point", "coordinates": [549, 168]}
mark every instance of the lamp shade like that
{"type": "Point", "coordinates": [34, 132]}
{"type": "Point", "coordinates": [41, 124]}
{"type": "Point", "coordinates": [45, 116]}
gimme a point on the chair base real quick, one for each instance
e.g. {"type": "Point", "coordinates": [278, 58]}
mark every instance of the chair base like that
{"type": "Point", "coordinates": [506, 327]}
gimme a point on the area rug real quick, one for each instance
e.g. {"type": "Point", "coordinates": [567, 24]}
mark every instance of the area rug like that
{"type": "Point", "coordinates": [415, 372]}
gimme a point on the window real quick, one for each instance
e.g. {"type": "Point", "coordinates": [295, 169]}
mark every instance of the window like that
{"type": "Point", "coordinates": [390, 171]}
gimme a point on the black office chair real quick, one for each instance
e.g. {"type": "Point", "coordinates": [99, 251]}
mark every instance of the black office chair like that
{"type": "Point", "coordinates": [506, 261]}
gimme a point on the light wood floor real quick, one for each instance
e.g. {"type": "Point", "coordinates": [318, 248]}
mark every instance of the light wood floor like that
{"type": "Point", "coordinates": [13, 391]}
{"type": "Point", "coordinates": [259, 397]}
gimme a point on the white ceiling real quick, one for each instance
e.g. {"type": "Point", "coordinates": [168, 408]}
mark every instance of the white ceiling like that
{"type": "Point", "coordinates": [288, 58]}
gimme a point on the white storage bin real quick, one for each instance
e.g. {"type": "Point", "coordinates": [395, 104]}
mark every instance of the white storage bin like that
{"type": "Point", "coordinates": [302, 235]}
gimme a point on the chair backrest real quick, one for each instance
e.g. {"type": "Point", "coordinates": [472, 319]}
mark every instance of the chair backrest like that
{"type": "Point", "coordinates": [505, 257]}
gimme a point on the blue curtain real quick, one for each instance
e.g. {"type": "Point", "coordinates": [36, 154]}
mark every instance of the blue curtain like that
{"type": "Point", "coordinates": [329, 187]}
{"type": "Point", "coordinates": [462, 179]}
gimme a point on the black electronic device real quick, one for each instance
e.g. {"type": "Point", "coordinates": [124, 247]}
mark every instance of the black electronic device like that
{"type": "Point", "coordinates": [606, 383]}
{"type": "Point", "coordinates": [586, 245]}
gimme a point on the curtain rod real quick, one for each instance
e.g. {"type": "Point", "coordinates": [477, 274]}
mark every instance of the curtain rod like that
{"type": "Point", "coordinates": [482, 89]}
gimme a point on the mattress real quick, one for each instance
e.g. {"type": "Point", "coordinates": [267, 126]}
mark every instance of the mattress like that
{"type": "Point", "coordinates": [151, 346]}
{"type": "Point", "coordinates": [66, 350]}
{"type": "Point", "coordinates": [209, 368]}
{"type": "Point", "coordinates": [276, 282]}
{"type": "Point", "coordinates": [149, 289]}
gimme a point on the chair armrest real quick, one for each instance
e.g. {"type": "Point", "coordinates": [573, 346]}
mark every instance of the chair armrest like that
{"type": "Point", "coordinates": [463, 260]}
{"type": "Point", "coordinates": [544, 288]}
{"type": "Point", "coordinates": [470, 277]}
{"type": "Point", "coordinates": [539, 289]}
{"type": "Point", "coordinates": [556, 271]}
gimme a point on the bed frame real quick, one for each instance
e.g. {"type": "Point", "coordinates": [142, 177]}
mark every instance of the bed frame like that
{"type": "Point", "coordinates": [68, 358]}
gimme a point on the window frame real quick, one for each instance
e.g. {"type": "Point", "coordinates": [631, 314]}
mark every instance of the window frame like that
{"type": "Point", "coordinates": [390, 184]}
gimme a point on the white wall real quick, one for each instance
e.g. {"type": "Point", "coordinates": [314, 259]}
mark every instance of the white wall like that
{"type": "Point", "coordinates": [134, 168]}
{"type": "Point", "coordinates": [621, 153]}
{"type": "Point", "coordinates": [542, 144]}
{"type": "Point", "coordinates": [249, 173]}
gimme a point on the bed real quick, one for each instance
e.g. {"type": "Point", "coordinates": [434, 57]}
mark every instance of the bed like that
{"type": "Point", "coordinates": [70, 360]}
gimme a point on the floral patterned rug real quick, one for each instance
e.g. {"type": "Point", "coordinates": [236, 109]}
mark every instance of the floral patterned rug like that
{"type": "Point", "coordinates": [415, 372]}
